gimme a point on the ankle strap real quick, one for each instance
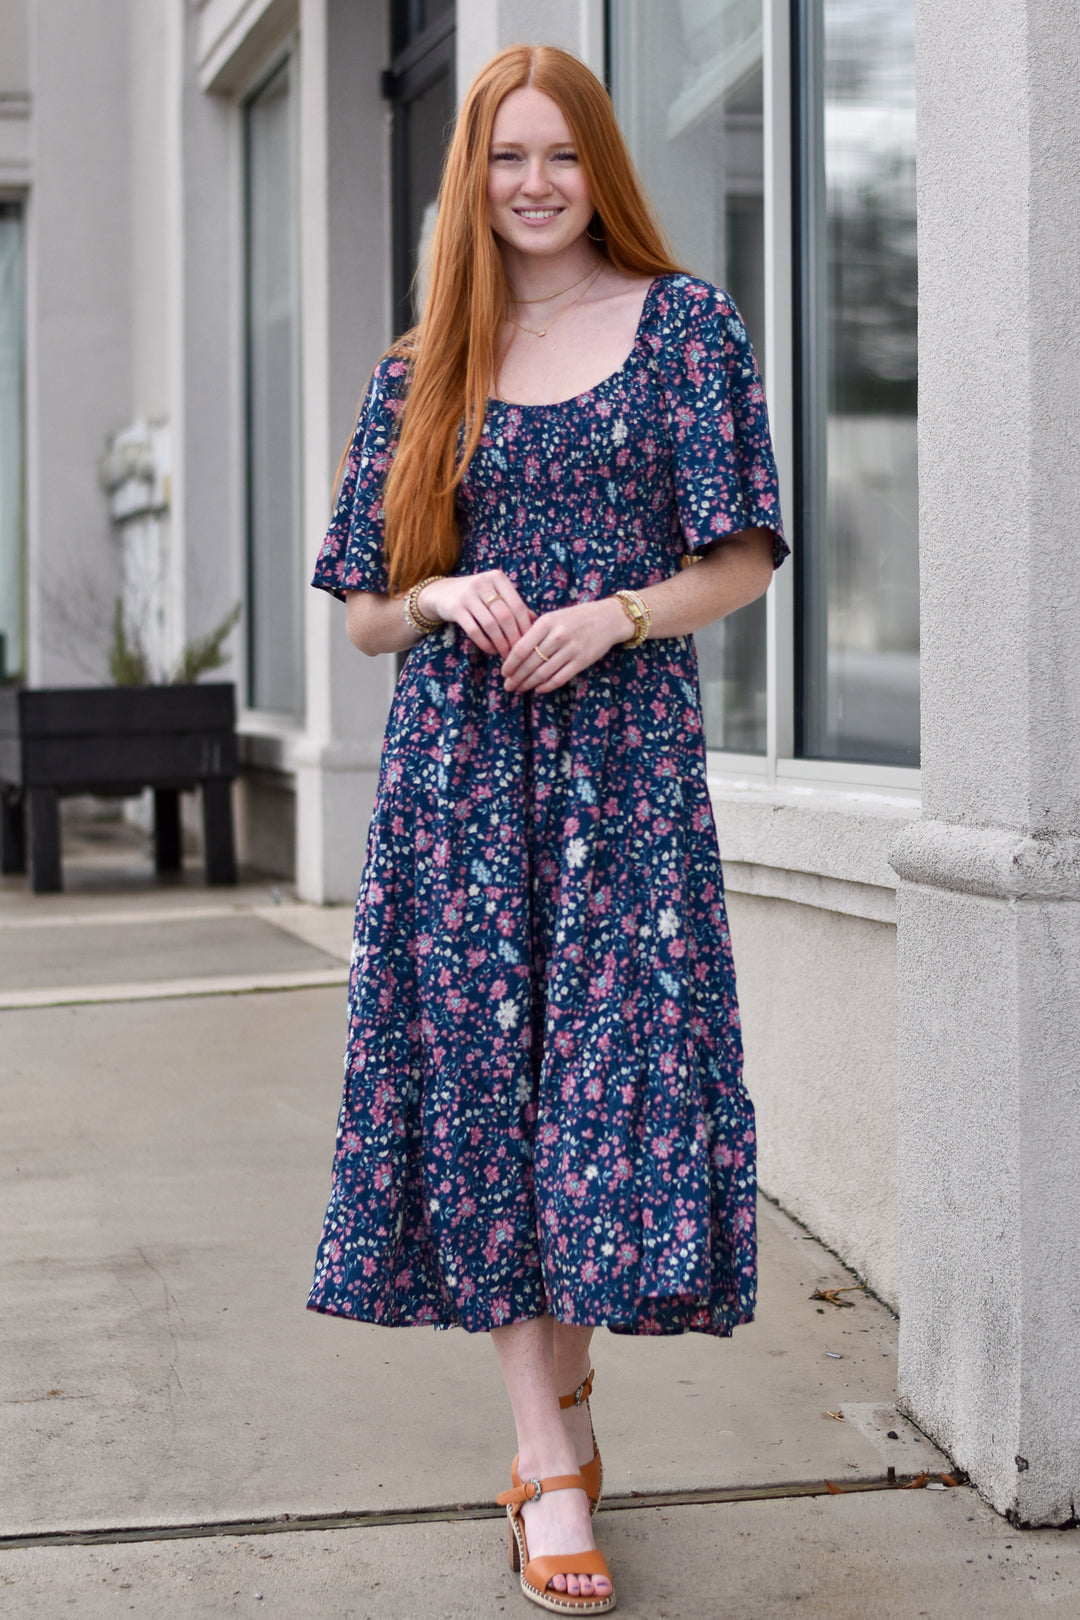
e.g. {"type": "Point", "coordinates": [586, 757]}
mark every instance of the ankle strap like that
{"type": "Point", "coordinates": [580, 1395]}
{"type": "Point", "coordinates": [530, 1490]}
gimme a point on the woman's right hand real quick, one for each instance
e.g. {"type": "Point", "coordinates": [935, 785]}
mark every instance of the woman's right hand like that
{"type": "Point", "coordinates": [487, 607]}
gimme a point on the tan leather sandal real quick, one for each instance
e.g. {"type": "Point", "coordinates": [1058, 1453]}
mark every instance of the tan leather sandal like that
{"type": "Point", "coordinates": [536, 1573]}
{"type": "Point", "coordinates": [592, 1472]}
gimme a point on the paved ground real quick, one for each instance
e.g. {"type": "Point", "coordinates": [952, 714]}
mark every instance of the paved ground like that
{"type": "Point", "coordinates": [165, 1162]}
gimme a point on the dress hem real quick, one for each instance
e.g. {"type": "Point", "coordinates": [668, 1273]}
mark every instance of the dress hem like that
{"type": "Point", "coordinates": [640, 1327]}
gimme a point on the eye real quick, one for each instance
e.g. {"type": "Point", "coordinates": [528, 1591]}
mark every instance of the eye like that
{"type": "Point", "coordinates": [504, 157]}
{"type": "Point", "coordinates": [565, 157]}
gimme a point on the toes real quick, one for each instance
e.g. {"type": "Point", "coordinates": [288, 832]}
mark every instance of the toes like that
{"type": "Point", "coordinates": [581, 1585]}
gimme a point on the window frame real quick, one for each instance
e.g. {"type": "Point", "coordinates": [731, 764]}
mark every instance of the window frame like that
{"type": "Point", "coordinates": [287, 54]}
{"type": "Point", "coordinates": [14, 202]}
{"type": "Point", "coordinates": [414, 68]}
{"type": "Point", "coordinates": [781, 766]}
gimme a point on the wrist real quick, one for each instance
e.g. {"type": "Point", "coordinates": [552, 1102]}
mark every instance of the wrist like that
{"type": "Point", "coordinates": [618, 625]}
{"type": "Point", "coordinates": [637, 617]}
{"type": "Point", "coordinates": [414, 616]}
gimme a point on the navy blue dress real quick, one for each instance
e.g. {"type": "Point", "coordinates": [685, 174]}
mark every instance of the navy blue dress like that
{"type": "Point", "coordinates": [544, 1107]}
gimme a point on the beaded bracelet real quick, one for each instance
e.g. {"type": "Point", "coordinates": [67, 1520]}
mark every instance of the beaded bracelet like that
{"type": "Point", "coordinates": [413, 617]}
{"type": "Point", "coordinates": [635, 605]}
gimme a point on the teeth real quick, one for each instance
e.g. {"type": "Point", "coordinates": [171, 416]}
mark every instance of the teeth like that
{"type": "Point", "coordinates": [537, 213]}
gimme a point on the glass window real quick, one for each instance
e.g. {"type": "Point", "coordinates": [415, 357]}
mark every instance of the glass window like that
{"type": "Point", "coordinates": [421, 88]}
{"type": "Point", "coordinates": [274, 562]}
{"type": "Point", "coordinates": [687, 85]}
{"type": "Point", "coordinates": [409, 19]}
{"type": "Point", "coordinates": [12, 430]}
{"type": "Point", "coordinates": [858, 473]}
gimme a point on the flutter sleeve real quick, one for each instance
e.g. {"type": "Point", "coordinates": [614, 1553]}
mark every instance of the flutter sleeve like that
{"type": "Point", "coordinates": [723, 465]}
{"type": "Point", "coordinates": [352, 557]}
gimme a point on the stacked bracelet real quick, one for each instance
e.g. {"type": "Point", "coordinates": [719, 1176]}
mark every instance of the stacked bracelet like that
{"type": "Point", "coordinates": [413, 617]}
{"type": "Point", "coordinates": [635, 605]}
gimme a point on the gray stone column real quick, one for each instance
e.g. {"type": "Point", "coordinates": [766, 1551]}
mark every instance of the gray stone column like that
{"type": "Point", "coordinates": [989, 904]}
{"type": "Point", "coordinates": [79, 315]}
{"type": "Point", "coordinates": [345, 262]}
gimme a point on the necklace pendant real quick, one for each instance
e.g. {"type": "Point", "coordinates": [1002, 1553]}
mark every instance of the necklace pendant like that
{"type": "Point", "coordinates": [543, 333]}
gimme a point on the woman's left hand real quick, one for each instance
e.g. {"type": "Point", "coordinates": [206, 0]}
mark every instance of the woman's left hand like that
{"type": "Point", "coordinates": [569, 640]}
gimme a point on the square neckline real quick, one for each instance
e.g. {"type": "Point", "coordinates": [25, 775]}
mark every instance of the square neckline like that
{"type": "Point", "coordinates": [574, 399]}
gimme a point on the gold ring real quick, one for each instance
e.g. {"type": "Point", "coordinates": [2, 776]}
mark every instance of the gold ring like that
{"type": "Point", "coordinates": [489, 599]}
{"type": "Point", "coordinates": [539, 654]}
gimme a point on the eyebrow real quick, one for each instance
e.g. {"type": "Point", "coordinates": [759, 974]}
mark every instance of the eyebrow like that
{"type": "Point", "coordinates": [553, 146]}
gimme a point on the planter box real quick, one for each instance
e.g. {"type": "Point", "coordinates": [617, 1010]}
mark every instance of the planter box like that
{"type": "Point", "coordinates": [116, 741]}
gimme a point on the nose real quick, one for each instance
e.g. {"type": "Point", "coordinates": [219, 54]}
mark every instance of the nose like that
{"type": "Point", "coordinates": [537, 181]}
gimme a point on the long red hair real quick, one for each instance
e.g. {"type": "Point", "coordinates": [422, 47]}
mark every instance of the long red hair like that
{"type": "Point", "coordinates": [453, 350]}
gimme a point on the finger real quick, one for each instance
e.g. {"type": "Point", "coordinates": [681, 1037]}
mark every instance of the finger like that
{"type": "Point", "coordinates": [527, 669]}
{"type": "Point", "coordinates": [514, 621]}
{"type": "Point", "coordinates": [490, 610]}
{"type": "Point", "coordinates": [546, 676]}
{"type": "Point", "coordinates": [476, 632]}
{"type": "Point", "coordinates": [515, 659]}
{"type": "Point", "coordinates": [536, 631]}
{"type": "Point", "coordinates": [561, 670]}
{"type": "Point", "coordinates": [522, 613]}
{"type": "Point", "coordinates": [488, 616]}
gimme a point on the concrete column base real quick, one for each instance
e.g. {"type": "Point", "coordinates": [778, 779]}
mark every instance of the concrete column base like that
{"type": "Point", "coordinates": [989, 1110]}
{"type": "Point", "coordinates": [334, 800]}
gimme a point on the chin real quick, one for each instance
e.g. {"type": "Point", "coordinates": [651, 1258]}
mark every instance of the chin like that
{"type": "Point", "coordinates": [532, 240]}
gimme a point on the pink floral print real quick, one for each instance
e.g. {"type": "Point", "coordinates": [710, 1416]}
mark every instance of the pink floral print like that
{"type": "Point", "coordinates": [544, 1107]}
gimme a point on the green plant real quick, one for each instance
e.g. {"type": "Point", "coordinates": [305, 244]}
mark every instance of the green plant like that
{"type": "Point", "coordinates": [129, 663]}
{"type": "Point", "coordinates": [204, 653]}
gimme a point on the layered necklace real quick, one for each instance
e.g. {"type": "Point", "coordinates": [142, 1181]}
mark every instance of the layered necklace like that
{"type": "Point", "coordinates": [588, 278]}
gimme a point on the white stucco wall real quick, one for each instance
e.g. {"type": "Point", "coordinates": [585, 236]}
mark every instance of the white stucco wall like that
{"type": "Point", "coordinates": [345, 229]}
{"type": "Point", "coordinates": [14, 48]}
{"type": "Point", "coordinates": [154, 260]}
{"type": "Point", "coordinates": [79, 328]}
{"type": "Point", "coordinates": [484, 27]}
{"type": "Point", "coordinates": [817, 994]}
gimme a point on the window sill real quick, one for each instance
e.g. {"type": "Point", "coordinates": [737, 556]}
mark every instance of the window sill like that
{"type": "Point", "coordinates": [810, 839]}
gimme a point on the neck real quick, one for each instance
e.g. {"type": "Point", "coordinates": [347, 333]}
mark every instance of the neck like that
{"type": "Point", "coordinates": [530, 277]}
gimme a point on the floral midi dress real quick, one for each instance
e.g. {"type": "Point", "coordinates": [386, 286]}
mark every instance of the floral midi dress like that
{"type": "Point", "coordinates": [544, 1108]}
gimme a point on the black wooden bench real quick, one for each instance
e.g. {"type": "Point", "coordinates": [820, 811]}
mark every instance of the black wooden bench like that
{"type": "Point", "coordinates": [115, 741]}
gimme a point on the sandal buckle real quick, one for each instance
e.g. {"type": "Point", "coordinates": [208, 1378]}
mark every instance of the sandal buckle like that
{"type": "Point", "coordinates": [538, 1489]}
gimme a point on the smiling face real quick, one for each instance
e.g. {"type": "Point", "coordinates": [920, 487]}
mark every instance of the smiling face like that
{"type": "Point", "coordinates": [538, 202]}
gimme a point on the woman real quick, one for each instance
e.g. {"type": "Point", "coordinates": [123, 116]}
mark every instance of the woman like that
{"type": "Point", "coordinates": [544, 1127]}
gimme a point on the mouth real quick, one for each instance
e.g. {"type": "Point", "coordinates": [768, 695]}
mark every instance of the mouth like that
{"type": "Point", "coordinates": [537, 216]}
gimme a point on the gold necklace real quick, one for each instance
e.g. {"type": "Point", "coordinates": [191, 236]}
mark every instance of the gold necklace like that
{"type": "Point", "coordinates": [547, 296]}
{"type": "Point", "coordinates": [544, 330]}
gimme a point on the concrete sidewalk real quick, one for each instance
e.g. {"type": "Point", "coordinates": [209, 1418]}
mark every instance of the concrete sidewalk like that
{"type": "Point", "coordinates": [171, 1062]}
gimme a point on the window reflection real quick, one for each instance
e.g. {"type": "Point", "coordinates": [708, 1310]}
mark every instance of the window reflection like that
{"type": "Point", "coordinates": [12, 553]}
{"type": "Point", "coordinates": [420, 85]}
{"type": "Point", "coordinates": [428, 120]}
{"type": "Point", "coordinates": [275, 652]}
{"type": "Point", "coordinates": [859, 474]}
{"type": "Point", "coordinates": [687, 84]}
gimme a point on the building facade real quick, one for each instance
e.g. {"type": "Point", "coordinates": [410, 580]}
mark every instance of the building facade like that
{"type": "Point", "coordinates": [212, 216]}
